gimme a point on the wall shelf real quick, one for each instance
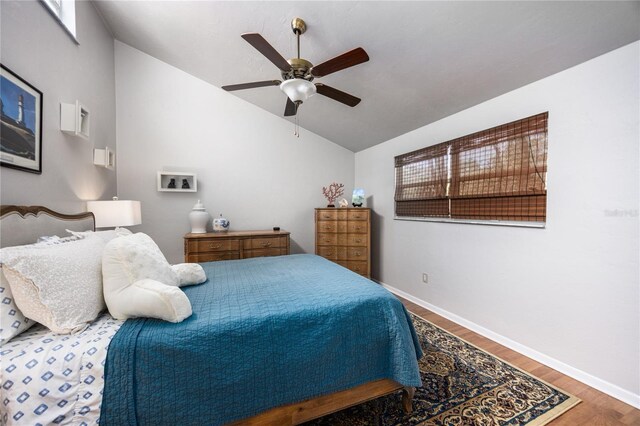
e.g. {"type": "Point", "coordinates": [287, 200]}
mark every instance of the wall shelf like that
{"type": "Point", "coordinates": [75, 119]}
{"type": "Point", "coordinates": [179, 178]}
{"type": "Point", "coordinates": [105, 158]}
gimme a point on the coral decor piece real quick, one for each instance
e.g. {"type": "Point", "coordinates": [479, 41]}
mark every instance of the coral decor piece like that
{"type": "Point", "coordinates": [334, 191]}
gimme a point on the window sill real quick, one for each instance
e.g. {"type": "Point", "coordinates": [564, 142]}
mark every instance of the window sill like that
{"type": "Point", "coordinates": [517, 224]}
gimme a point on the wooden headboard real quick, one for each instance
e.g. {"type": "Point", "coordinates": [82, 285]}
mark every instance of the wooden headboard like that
{"type": "Point", "coordinates": [21, 225]}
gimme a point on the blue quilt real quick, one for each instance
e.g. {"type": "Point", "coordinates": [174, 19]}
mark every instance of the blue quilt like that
{"type": "Point", "coordinates": [264, 332]}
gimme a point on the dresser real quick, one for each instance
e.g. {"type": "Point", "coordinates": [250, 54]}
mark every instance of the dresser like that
{"type": "Point", "coordinates": [230, 245]}
{"type": "Point", "coordinates": [343, 235]}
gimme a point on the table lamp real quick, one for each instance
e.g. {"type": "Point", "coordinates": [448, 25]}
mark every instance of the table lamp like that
{"type": "Point", "coordinates": [114, 213]}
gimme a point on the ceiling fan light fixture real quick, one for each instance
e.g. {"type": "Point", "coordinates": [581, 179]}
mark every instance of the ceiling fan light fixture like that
{"type": "Point", "coordinates": [298, 89]}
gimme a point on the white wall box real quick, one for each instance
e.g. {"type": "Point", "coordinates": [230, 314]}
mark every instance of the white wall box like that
{"type": "Point", "coordinates": [177, 182]}
{"type": "Point", "coordinates": [105, 158]}
{"type": "Point", "coordinates": [75, 119]}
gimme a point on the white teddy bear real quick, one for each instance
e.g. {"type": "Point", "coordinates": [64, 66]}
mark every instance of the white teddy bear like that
{"type": "Point", "coordinates": [139, 282]}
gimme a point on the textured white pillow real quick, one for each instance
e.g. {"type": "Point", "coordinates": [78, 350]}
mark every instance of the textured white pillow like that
{"type": "Point", "coordinates": [57, 285]}
{"type": "Point", "coordinates": [105, 235]}
{"type": "Point", "coordinates": [139, 282]}
{"type": "Point", "coordinates": [12, 320]}
{"type": "Point", "coordinates": [189, 273]}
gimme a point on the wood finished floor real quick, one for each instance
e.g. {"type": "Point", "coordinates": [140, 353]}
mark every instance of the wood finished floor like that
{"type": "Point", "coordinates": [596, 408]}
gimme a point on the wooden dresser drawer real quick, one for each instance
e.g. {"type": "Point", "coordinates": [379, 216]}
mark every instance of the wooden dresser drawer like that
{"type": "Point", "coordinates": [265, 252]}
{"type": "Point", "coordinates": [358, 240]}
{"type": "Point", "coordinates": [325, 239]}
{"type": "Point", "coordinates": [358, 267]}
{"type": "Point", "coordinates": [358, 214]}
{"type": "Point", "coordinates": [328, 252]}
{"type": "Point", "coordinates": [264, 243]}
{"type": "Point", "coordinates": [213, 257]}
{"type": "Point", "coordinates": [333, 214]}
{"type": "Point", "coordinates": [335, 226]}
{"type": "Point", "coordinates": [205, 245]}
{"type": "Point", "coordinates": [355, 253]}
{"type": "Point", "coordinates": [357, 227]}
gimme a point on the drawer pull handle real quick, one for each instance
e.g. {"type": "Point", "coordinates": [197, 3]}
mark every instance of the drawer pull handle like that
{"type": "Point", "coordinates": [267, 244]}
{"type": "Point", "coordinates": [358, 228]}
{"type": "Point", "coordinates": [358, 240]}
{"type": "Point", "coordinates": [327, 227]}
{"type": "Point", "coordinates": [357, 269]}
{"type": "Point", "coordinates": [357, 253]}
{"type": "Point", "coordinates": [215, 246]}
{"type": "Point", "coordinates": [330, 253]}
{"type": "Point", "coordinates": [326, 216]}
{"type": "Point", "coordinates": [326, 240]}
{"type": "Point", "coordinates": [356, 217]}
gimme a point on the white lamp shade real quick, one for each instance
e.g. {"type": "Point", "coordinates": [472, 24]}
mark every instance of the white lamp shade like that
{"type": "Point", "coordinates": [298, 89]}
{"type": "Point", "coordinates": [115, 213]}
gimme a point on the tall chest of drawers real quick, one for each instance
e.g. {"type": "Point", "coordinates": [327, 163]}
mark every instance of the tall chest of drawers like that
{"type": "Point", "coordinates": [230, 245]}
{"type": "Point", "coordinates": [343, 235]}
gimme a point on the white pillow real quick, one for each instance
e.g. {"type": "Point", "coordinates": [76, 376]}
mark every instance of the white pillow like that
{"type": "Point", "coordinates": [57, 285]}
{"type": "Point", "coordinates": [139, 282]}
{"type": "Point", "coordinates": [105, 235]}
{"type": "Point", "coordinates": [12, 320]}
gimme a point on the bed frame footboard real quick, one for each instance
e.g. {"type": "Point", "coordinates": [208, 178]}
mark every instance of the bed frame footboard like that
{"type": "Point", "coordinates": [304, 411]}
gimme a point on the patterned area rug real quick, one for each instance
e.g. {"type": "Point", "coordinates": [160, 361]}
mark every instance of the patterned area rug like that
{"type": "Point", "coordinates": [462, 385]}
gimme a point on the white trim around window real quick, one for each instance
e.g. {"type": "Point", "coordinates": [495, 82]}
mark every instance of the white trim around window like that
{"type": "Point", "coordinates": [63, 11]}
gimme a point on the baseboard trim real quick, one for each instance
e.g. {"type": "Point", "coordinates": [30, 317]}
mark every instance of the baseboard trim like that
{"type": "Point", "coordinates": [586, 378]}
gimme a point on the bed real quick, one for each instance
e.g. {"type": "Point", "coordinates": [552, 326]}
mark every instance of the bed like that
{"type": "Point", "coordinates": [319, 354]}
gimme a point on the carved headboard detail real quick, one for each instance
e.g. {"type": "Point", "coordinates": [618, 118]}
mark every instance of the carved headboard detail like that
{"type": "Point", "coordinates": [21, 225]}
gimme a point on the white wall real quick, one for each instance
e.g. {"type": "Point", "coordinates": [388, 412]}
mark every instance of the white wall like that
{"type": "Point", "coordinates": [570, 291]}
{"type": "Point", "coordinates": [250, 166]}
{"type": "Point", "coordinates": [38, 49]}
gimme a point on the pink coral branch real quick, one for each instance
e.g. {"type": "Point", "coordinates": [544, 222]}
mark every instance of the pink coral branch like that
{"type": "Point", "coordinates": [333, 192]}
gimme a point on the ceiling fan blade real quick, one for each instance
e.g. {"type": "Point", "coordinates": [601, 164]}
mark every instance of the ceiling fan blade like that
{"type": "Point", "coordinates": [337, 95]}
{"type": "Point", "coordinates": [346, 60]}
{"type": "Point", "coordinates": [263, 46]}
{"type": "Point", "coordinates": [253, 85]}
{"type": "Point", "coordinates": [291, 108]}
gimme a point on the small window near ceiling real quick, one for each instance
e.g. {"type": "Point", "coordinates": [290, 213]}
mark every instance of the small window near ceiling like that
{"type": "Point", "coordinates": [64, 11]}
{"type": "Point", "coordinates": [496, 176]}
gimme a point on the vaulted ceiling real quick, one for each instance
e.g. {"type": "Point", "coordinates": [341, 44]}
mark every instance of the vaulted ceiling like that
{"type": "Point", "coordinates": [428, 60]}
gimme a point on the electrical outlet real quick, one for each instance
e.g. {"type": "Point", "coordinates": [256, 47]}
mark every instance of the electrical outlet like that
{"type": "Point", "coordinates": [425, 278]}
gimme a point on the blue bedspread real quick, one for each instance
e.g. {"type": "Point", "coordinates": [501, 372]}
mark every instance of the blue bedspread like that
{"type": "Point", "coordinates": [264, 332]}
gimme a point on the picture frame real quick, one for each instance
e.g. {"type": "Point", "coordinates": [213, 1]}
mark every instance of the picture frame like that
{"type": "Point", "coordinates": [21, 123]}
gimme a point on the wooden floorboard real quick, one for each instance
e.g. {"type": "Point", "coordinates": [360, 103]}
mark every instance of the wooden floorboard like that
{"type": "Point", "coordinates": [596, 408]}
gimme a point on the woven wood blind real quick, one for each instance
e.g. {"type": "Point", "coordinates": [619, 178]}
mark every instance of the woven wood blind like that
{"type": "Point", "coordinates": [495, 174]}
{"type": "Point", "coordinates": [422, 182]}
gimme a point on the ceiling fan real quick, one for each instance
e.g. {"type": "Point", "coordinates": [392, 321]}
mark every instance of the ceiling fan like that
{"type": "Point", "coordinates": [298, 73]}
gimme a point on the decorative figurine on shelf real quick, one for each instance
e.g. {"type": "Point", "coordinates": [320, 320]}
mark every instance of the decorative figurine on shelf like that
{"type": "Point", "coordinates": [172, 184]}
{"type": "Point", "coordinates": [344, 203]}
{"type": "Point", "coordinates": [357, 200]}
{"type": "Point", "coordinates": [333, 192]}
{"type": "Point", "coordinates": [220, 224]}
{"type": "Point", "coordinates": [199, 219]}
{"type": "Point", "coordinates": [185, 184]}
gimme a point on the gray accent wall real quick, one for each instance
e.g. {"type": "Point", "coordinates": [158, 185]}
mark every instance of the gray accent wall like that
{"type": "Point", "coordinates": [250, 166]}
{"type": "Point", "coordinates": [38, 49]}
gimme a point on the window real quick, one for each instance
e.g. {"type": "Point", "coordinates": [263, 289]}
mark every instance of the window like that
{"type": "Point", "coordinates": [496, 175]}
{"type": "Point", "coordinates": [64, 11]}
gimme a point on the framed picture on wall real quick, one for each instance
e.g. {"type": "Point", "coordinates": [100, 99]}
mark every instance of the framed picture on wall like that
{"type": "Point", "coordinates": [21, 121]}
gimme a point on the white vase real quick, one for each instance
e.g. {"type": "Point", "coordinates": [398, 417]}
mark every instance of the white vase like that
{"type": "Point", "coordinates": [199, 219]}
